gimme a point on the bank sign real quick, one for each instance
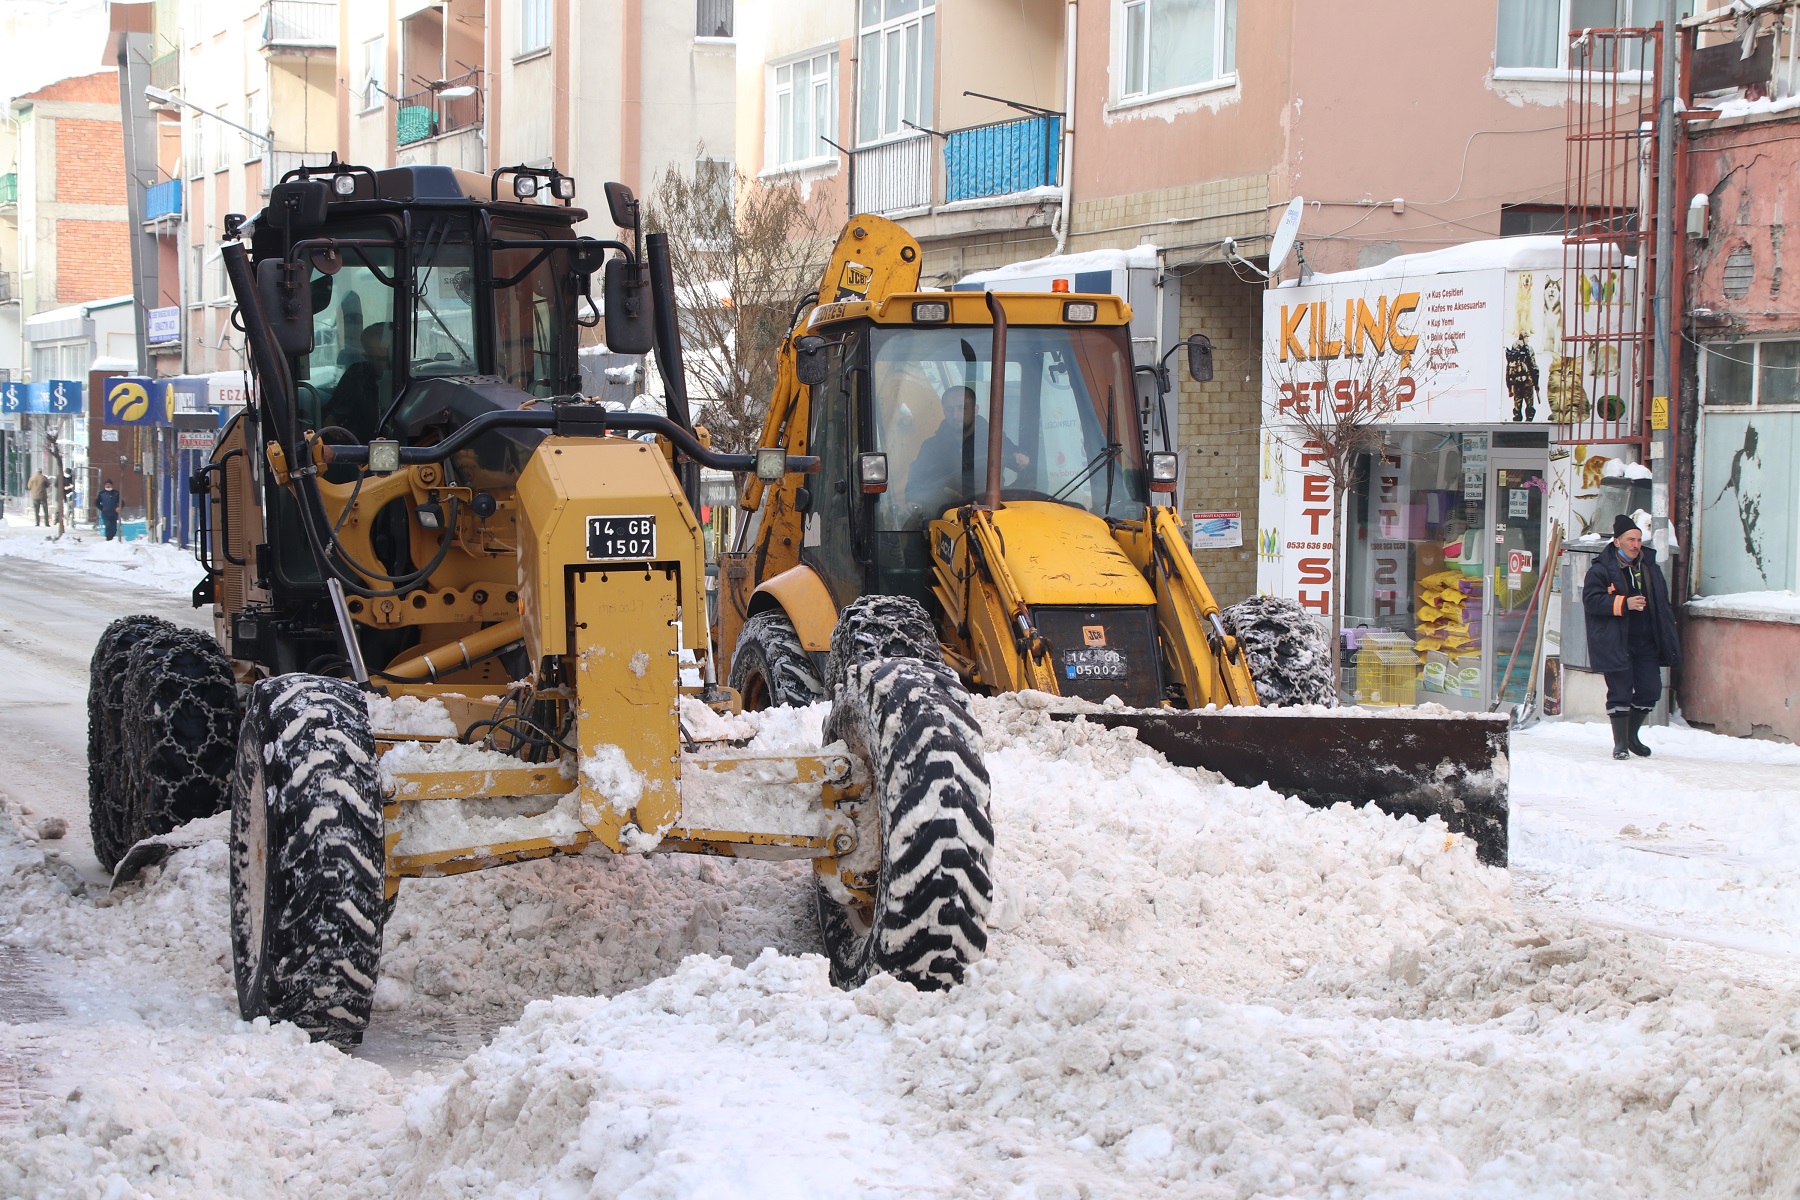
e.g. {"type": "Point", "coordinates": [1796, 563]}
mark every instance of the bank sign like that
{"type": "Point", "coordinates": [49, 397]}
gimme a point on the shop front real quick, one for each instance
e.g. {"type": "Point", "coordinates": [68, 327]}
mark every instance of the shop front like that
{"type": "Point", "coordinates": [1457, 480]}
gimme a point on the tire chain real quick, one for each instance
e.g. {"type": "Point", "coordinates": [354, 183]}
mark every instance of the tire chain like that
{"type": "Point", "coordinates": [1288, 652]}
{"type": "Point", "coordinates": [109, 789]}
{"type": "Point", "coordinates": [180, 723]}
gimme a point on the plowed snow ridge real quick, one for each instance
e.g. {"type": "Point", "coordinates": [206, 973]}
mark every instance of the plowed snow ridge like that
{"type": "Point", "coordinates": [1193, 989]}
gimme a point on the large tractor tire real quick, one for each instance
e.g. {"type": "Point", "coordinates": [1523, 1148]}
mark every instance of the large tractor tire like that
{"type": "Point", "coordinates": [1289, 652]}
{"type": "Point", "coordinates": [180, 725]}
{"type": "Point", "coordinates": [872, 628]}
{"type": "Point", "coordinates": [770, 668]}
{"type": "Point", "coordinates": [109, 785]}
{"type": "Point", "coordinates": [924, 835]}
{"type": "Point", "coordinates": [307, 858]}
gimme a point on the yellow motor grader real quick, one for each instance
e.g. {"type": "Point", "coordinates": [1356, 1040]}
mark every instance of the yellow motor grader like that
{"type": "Point", "coordinates": [459, 611]}
{"type": "Point", "coordinates": [986, 499]}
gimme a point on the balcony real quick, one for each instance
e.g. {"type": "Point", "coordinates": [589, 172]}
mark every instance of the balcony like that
{"type": "Point", "coordinates": [165, 71]}
{"type": "Point", "coordinates": [162, 202]}
{"type": "Point", "coordinates": [1003, 158]}
{"type": "Point", "coordinates": [893, 176]}
{"type": "Point", "coordinates": [300, 25]}
{"type": "Point", "coordinates": [446, 108]}
{"type": "Point", "coordinates": [9, 189]}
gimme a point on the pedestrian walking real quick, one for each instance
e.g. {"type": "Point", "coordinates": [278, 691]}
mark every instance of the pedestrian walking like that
{"type": "Point", "coordinates": [108, 504]}
{"type": "Point", "coordinates": [1630, 632]}
{"type": "Point", "coordinates": [38, 488]}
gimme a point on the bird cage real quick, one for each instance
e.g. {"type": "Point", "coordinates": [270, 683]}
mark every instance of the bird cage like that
{"type": "Point", "coordinates": [1387, 670]}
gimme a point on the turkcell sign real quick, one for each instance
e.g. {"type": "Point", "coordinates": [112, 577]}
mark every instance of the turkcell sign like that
{"type": "Point", "coordinates": [163, 325]}
{"type": "Point", "coordinates": [133, 400]}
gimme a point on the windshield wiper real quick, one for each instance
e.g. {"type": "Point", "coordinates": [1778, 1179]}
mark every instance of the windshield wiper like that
{"type": "Point", "coordinates": [1108, 455]}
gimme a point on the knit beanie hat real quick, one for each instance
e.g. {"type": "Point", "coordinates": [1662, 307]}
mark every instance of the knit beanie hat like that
{"type": "Point", "coordinates": [1623, 525]}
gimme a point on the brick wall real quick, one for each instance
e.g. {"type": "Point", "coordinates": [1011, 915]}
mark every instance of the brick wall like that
{"type": "Point", "coordinates": [1218, 208]}
{"type": "Point", "coordinates": [1219, 421]}
{"type": "Point", "coordinates": [102, 87]}
{"type": "Point", "coordinates": [93, 260]}
{"type": "Point", "coordinates": [90, 162]}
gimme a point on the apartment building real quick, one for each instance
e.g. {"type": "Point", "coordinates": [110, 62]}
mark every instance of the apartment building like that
{"type": "Point", "coordinates": [1005, 131]}
{"type": "Point", "coordinates": [242, 92]}
{"type": "Point", "coordinates": [68, 201]}
{"type": "Point", "coordinates": [608, 91]}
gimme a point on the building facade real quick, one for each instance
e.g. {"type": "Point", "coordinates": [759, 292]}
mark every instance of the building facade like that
{"type": "Point", "coordinates": [1740, 411]}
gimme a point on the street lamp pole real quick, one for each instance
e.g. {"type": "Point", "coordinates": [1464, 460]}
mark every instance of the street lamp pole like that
{"type": "Point", "coordinates": [157, 95]}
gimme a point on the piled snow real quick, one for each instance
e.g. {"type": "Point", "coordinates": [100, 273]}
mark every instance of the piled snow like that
{"type": "Point", "coordinates": [1063, 264]}
{"type": "Point", "coordinates": [1191, 989]}
{"type": "Point", "coordinates": [1737, 106]}
{"type": "Point", "coordinates": [164, 568]}
{"type": "Point", "coordinates": [1774, 605]}
{"type": "Point", "coordinates": [410, 716]}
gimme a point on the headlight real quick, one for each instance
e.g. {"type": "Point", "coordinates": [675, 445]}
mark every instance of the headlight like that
{"type": "Point", "coordinates": [931, 311]}
{"type": "Point", "coordinates": [525, 186]}
{"type": "Point", "coordinates": [872, 468]}
{"type": "Point", "coordinates": [1080, 310]}
{"type": "Point", "coordinates": [1165, 468]}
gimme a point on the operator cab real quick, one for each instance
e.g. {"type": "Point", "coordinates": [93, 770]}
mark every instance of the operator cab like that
{"type": "Point", "coordinates": [418, 275]}
{"type": "Point", "coordinates": [917, 392]}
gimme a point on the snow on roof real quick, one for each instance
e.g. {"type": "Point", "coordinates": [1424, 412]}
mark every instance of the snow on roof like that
{"type": "Point", "coordinates": [1067, 264]}
{"type": "Point", "coordinates": [1540, 253]}
{"type": "Point", "coordinates": [1737, 106]}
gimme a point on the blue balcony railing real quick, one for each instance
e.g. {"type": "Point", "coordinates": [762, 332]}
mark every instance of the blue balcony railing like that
{"type": "Point", "coordinates": [162, 200]}
{"type": "Point", "coordinates": [1002, 158]}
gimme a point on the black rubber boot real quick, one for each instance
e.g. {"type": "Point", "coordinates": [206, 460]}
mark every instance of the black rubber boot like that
{"type": "Point", "coordinates": [1633, 742]}
{"type": "Point", "coordinates": [1621, 723]}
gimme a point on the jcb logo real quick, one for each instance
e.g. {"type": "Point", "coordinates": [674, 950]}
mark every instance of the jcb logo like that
{"type": "Point", "coordinates": [857, 279]}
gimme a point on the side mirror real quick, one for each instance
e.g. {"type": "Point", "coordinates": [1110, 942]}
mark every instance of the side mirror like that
{"type": "Point", "coordinates": [629, 328]}
{"type": "Point", "coordinates": [287, 303]}
{"type": "Point", "coordinates": [810, 364]}
{"type": "Point", "coordinates": [622, 205]}
{"type": "Point", "coordinates": [299, 204]}
{"type": "Point", "coordinates": [1199, 355]}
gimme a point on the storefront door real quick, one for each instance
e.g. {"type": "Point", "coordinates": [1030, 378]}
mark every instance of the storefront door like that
{"type": "Point", "coordinates": [1516, 485]}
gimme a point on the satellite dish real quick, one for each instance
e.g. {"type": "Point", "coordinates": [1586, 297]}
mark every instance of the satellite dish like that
{"type": "Point", "coordinates": [1286, 230]}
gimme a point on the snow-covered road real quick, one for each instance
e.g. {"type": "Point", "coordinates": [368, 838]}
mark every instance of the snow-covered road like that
{"type": "Point", "coordinates": [1193, 990]}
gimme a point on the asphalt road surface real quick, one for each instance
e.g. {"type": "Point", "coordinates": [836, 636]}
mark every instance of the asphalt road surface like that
{"type": "Point", "coordinates": [50, 619]}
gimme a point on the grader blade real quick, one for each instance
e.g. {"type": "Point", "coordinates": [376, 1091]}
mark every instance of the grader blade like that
{"type": "Point", "coordinates": [1453, 766]}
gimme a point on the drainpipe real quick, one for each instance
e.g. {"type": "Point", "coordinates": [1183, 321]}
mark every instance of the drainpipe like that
{"type": "Point", "coordinates": [1068, 128]}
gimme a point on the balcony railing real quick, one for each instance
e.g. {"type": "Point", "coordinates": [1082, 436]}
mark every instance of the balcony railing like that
{"type": "Point", "coordinates": [893, 176]}
{"type": "Point", "coordinates": [455, 104]}
{"type": "Point", "coordinates": [162, 200]}
{"type": "Point", "coordinates": [300, 23]}
{"type": "Point", "coordinates": [9, 188]}
{"type": "Point", "coordinates": [165, 71]}
{"type": "Point", "coordinates": [1002, 158]}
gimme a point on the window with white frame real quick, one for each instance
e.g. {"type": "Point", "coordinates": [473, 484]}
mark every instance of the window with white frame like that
{"type": "Point", "coordinates": [196, 145]}
{"type": "Point", "coordinates": [802, 110]}
{"type": "Point", "coordinates": [1747, 490]}
{"type": "Point", "coordinates": [534, 25]}
{"type": "Point", "coordinates": [221, 144]}
{"type": "Point", "coordinates": [895, 67]}
{"type": "Point", "coordinates": [1173, 45]}
{"type": "Point", "coordinates": [713, 18]}
{"type": "Point", "coordinates": [373, 76]}
{"type": "Point", "coordinates": [256, 116]}
{"type": "Point", "coordinates": [1535, 34]}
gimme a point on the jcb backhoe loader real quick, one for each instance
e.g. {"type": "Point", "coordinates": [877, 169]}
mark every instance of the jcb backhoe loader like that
{"type": "Point", "coordinates": [986, 499]}
{"type": "Point", "coordinates": [453, 604]}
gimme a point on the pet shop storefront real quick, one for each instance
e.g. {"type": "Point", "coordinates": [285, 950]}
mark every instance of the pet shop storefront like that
{"type": "Point", "coordinates": [1458, 477]}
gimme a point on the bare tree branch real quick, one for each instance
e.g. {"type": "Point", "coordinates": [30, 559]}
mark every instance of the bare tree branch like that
{"type": "Point", "coordinates": [744, 254]}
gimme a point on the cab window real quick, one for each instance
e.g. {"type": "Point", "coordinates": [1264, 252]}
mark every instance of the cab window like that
{"type": "Point", "coordinates": [347, 382]}
{"type": "Point", "coordinates": [530, 313]}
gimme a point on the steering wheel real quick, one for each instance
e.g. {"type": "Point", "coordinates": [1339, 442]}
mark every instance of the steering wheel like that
{"type": "Point", "coordinates": [337, 435]}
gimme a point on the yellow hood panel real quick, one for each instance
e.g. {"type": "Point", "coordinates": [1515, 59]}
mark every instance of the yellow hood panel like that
{"type": "Point", "coordinates": [1063, 555]}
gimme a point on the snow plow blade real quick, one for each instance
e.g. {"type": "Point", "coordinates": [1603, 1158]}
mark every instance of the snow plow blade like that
{"type": "Point", "coordinates": [1452, 766]}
